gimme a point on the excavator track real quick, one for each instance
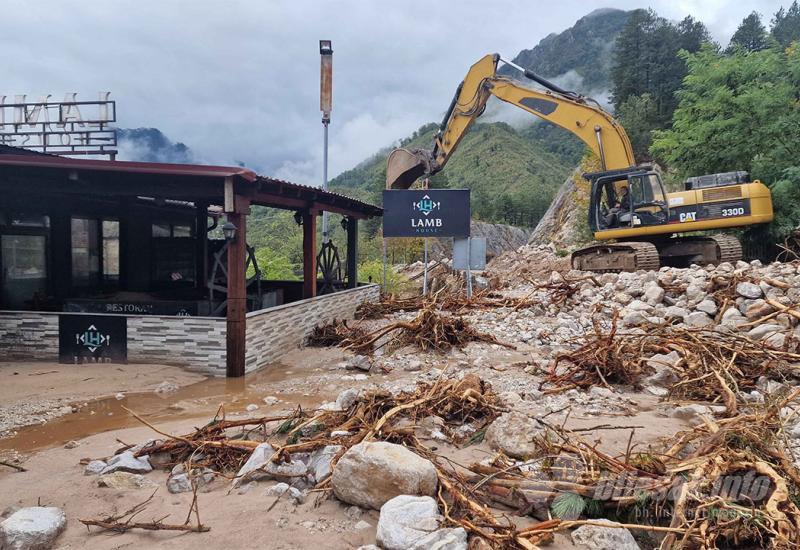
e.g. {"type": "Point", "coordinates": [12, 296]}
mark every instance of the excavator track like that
{"type": "Point", "coordinates": [616, 257]}
{"type": "Point", "coordinates": [730, 249]}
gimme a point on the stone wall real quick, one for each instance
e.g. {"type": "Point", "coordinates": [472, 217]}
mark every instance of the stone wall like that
{"type": "Point", "coordinates": [275, 331]}
{"type": "Point", "coordinates": [194, 342]}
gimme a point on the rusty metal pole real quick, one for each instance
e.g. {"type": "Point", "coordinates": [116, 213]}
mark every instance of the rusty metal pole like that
{"type": "Point", "coordinates": [325, 105]}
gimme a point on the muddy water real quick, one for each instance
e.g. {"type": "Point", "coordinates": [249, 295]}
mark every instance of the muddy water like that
{"type": "Point", "coordinates": [199, 400]}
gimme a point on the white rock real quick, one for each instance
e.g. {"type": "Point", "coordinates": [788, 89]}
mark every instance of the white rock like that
{"type": "Point", "coordinates": [34, 528]}
{"type": "Point", "coordinates": [251, 469]}
{"type": "Point", "coordinates": [347, 398]}
{"type": "Point", "coordinates": [763, 331]}
{"type": "Point", "coordinates": [749, 290]}
{"type": "Point", "coordinates": [126, 462]}
{"type": "Point", "coordinates": [270, 400]}
{"type": "Point", "coordinates": [284, 489]}
{"type": "Point", "coordinates": [361, 525]}
{"type": "Point", "coordinates": [694, 293]}
{"type": "Point", "coordinates": [320, 463]}
{"type": "Point", "coordinates": [654, 294]}
{"type": "Point", "coordinates": [179, 483]}
{"type": "Point", "coordinates": [707, 306]}
{"type": "Point", "coordinates": [604, 538]}
{"type": "Point", "coordinates": [698, 319]}
{"type": "Point", "coordinates": [120, 396]}
{"type": "Point", "coordinates": [443, 539]}
{"type": "Point", "coordinates": [252, 407]}
{"type": "Point", "coordinates": [634, 318]}
{"type": "Point", "coordinates": [371, 473]}
{"type": "Point", "coordinates": [413, 365]}
{"type": "Point", "coordinates": [675, 312]}
{"type": "Point", "coordinates": [358, 362]}
{"type": "Point", "coordinates": [95, 467]}
{"type": "Point", "coordinates": [515, 434]}
{"type": "Point", "coordinates": [404, 520]}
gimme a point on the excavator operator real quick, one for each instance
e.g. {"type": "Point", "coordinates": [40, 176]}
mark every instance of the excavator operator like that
{"type": "Point", "coordinates": [620, 213]}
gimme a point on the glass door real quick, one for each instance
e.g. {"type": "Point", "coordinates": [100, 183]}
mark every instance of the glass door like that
{"type": "Point", "coordinates": [23, 270]}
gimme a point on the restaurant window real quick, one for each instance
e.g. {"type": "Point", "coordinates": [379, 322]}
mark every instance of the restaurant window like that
{"type": "Point", "coordinates": [173, 253]}
{"type": "Point", "coordinates": [95, 252]}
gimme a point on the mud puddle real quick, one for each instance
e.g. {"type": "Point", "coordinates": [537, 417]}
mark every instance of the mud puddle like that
{"type": "Point", "coordinates": [198, 400]}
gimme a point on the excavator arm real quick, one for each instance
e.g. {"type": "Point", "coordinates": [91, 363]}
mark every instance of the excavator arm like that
{"type": "Point", "coordinates": [573, 112]}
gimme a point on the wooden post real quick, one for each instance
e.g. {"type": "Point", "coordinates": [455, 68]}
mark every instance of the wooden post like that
{"type": "Point", "coordinates": [352, 252]}
{"type": "Point", "coordinates": [309, 253]}
{"type": "Point", "coordinates": [237, 297]}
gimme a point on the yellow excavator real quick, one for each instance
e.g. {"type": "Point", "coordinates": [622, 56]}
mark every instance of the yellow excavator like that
{"type": "Point", "coordinates": [628, 203]}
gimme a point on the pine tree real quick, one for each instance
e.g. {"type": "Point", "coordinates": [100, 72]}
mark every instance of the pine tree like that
{"type": "Point", "coordinates": [751, 35]}
{"type": "Point", "coordinates": [786, 25]}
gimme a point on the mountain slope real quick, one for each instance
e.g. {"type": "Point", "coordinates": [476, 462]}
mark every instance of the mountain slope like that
{"type": "Point", "coordinates": [513, 176]}
{"type": "Point", "coordinates": [584, 48]}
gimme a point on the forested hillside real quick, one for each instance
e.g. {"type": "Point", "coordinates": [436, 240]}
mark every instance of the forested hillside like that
{"type": "Point", "coordinates": [514, 173]}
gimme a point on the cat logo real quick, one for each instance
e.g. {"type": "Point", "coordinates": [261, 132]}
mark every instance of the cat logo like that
{"type": "Point", "coordinates": [688, 217]}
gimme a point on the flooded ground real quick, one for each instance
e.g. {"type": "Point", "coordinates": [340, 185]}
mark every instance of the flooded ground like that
{"type": "Point", "coordinates": [66, 387]}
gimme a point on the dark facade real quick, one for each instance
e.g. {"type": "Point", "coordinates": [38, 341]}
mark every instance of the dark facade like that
{"type": "Point", "coordinates": [142, 238]}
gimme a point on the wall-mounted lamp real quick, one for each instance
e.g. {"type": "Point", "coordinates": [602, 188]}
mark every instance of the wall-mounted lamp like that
{"type": "Point", "coordinates": [229, 230]}
{"type": "Point", "coordinates": [298, 217]}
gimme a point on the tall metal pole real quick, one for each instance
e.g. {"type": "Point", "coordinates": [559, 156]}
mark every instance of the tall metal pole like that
{"type": "Point", "coordinates": [325, 123]}
{"type": "Point", "coordinates": [325, 105]}
{"type": "Point", "coordinates": [425, 245]}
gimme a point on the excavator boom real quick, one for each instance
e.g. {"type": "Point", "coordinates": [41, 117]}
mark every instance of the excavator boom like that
{"type": "Point", "coordinates": [577, 114]}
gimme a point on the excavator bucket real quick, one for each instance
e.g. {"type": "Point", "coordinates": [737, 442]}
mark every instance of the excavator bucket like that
{"type": "Point", "coordinates": [404, 167]}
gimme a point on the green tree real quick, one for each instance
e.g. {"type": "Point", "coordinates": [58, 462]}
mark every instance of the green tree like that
{"type": "Point", "coordinates": [736, 111]}
{"type": "Point", "coordinates": [751, 35]}
{"type": "Point", "coordinates": [786, 25]}
{"type": "Point", "coordinates": [646, 60]}
{"type": "Point", "coordinates": [639, 116]}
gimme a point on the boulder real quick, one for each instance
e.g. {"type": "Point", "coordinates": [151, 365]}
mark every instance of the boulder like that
{"type": "Point", "coordinates": [663, 365]}
{"type": "Point", "coordinates": [283, 489]}
{"type": "Point", "coordinates": [124, 481]}
{"type": "Point", "coordinates": [251, 469]}
{"type": "Point", "coordinates": [347, 399]}
{"type": "Point", "coordinates": [764, 331]}
{"type": "Point", "coordinates": [732, 316]}
{"type": "Point", "coordinates": [707, 306]}
{"type": "Point", "coordinates": [695, 294]}
{"type": "Point", "coordinates": [634, 318]}
{"type": "Point", "coordinates": [319, 464]}
{"type": "Point", "coordinates": [749, 290]}
{"type": "Point", "coordinates": [34, 528]}
{"type": "Point", "coordinates": [405, 520]}
{"type": "Point", "coordinates": [443, 539]}
{"type": "Point", "coordinates": [126, 462]}
{"type": "Point", "coordinates": [654, 294]}
{"type": "Point", "coordinates": [371, 473]}
{"type": "Point", "coordinates": [758, 309]}
{"type": "Point", "coordinates": [358, 362]}
{"type": "Point", "coordinates": [179, 483]}
{"type": "Point", "coordinates": [604, 538]}
{"type": "Point", "coordinates": [675, 312]}
{"type": "Point", "coordinates": [94, 468]}
{"type": "Point", "coordinates": [697, 319]}
{"type": "Point", "coordinates": [515, 434]}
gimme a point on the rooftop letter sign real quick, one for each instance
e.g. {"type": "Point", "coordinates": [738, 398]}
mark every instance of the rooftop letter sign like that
{"type": "Point", "coordinates": [69, 127]}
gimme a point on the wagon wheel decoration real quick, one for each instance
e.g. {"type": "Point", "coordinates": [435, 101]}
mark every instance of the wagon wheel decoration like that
{"type": "Point", "coordinates": [330, 266]}
{"type": "Point", "coordinates": [218, 282]}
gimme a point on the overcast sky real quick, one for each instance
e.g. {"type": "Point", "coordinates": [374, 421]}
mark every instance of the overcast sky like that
{"type": "Point", "coordinates": [239, 80]}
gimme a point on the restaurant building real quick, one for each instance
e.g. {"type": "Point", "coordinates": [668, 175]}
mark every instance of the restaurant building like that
{"type": "Point", "coordinates": [149, 262]}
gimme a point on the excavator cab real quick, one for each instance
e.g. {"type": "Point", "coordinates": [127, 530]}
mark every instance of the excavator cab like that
{"type": "Point", "coordinates": [626, 198]}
